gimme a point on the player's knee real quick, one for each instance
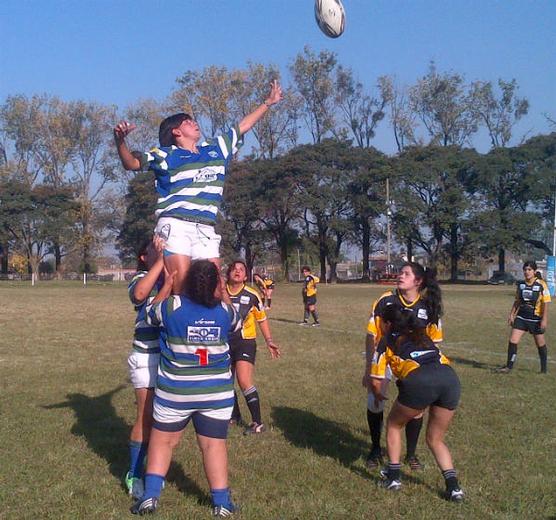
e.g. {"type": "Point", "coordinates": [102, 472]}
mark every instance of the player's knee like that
{"type": "Point", "coordinates": [374, 405]}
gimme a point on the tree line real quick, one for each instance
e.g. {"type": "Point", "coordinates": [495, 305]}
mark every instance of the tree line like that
{"type": "Point", "coordinates": [310, 178]}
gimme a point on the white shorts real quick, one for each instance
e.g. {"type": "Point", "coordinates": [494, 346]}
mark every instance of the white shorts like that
{"type": "Point", "coordinates": [165, 414]}
{"type": "Point", "coordinates": [198, 241]}
{"type": "Point", "coordinates": [143, 369]}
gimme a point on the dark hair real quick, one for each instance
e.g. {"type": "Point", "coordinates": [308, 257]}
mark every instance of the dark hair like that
{"type": "Point", "coordinates": [405, 323]}
{"type": "Point", "coordinates": [538, 274]}
{"type": "Point", "coordinates": [201, 282]}
{"type": "Point", "coordinates": [306, 268]}
{"type": "Point", "coordinates": [530, 263]}
{"type": "Point", "coordinates": [143, 250]}
{"type": "Point", "coordinates": [429, 289]}
{"type": "Point", "coordinates": [165, 135]}
{"type": "Point", "coordinates": [232, 266]}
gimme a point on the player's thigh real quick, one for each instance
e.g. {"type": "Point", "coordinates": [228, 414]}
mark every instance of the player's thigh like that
{"type": "Point", "coordinates": [516, 335]}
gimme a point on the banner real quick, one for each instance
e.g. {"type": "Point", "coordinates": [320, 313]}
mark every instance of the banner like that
{"type": "Point", "coordinates": [551, 274]}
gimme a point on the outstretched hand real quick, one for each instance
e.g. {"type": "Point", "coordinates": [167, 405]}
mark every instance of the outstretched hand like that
{"type": "Point", "coordinates": [275, 93]}
{"type": "Point", "coordinates": [273, 349]}
{"type": "Point", "coordinates": [122, 129]}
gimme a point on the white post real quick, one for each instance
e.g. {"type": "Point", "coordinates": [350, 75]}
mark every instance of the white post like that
{"type": "Point", "coordinates": [298, 266]}
{"type": "Point", "coordinates": [388, 213]}
{"type": "Point", "coordinates": [32, 279]}
{"type": "Point", "coordinates": [84, 278]}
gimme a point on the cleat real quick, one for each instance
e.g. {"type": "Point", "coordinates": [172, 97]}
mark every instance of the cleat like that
{"type": "Point", "coordinates": [134, 486]}
{"type": "Point", "coordinates": [374, 459]}
{"type": "Point", "coordinates": [254, 428]}
{"type": "Point", "coordinates": [503, 370]}
{"type": "Point", "coordinates": [391, 484]}
{"type": "Point", "coordinates": [414, 463]}
{"type": "Point", "coordinates": [455, 495]}
{"type": "Point", "coordinates": [144, 507]}
{"type": "Point", "coordinates": [236, 421]}
{"type": "Point", "coordinates": [221, 511]}
{"type": "Point", "coordinates": [315, 325]}
{"type": "Point", "coordinates": [303, 324]}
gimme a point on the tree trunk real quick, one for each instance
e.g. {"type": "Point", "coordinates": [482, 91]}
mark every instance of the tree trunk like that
{"type": "Point", "coordinates": [366, 245]}
{"type": "Point", "coordinates": [5, 254]}
{"type": "Point", "coordinates": [502, 259]}
{"type": "Point", "coordinates": [409, 249]}
{"type": "Point", "coordinates": [454, 252]}
{"type": "Point", "coordinates": [322, 259]}
{"type": "Point", "coordinates": [58, 259]}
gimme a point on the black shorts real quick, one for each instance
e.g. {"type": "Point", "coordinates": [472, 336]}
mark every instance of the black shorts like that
{"type": "Point", "coordinates": [243, 350]}
{"type": "Point", "coordinates": [430, 385]}
{"type": "Point", "coordinates": [531, 326]}
{"type": "Point", "coordinates": [310, 300]}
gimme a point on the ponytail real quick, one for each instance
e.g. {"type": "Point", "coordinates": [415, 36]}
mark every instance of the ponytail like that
{"type": "Point", "coordinates": [429, 289]}
{"type": "Point", "coordinates": [201, 283]}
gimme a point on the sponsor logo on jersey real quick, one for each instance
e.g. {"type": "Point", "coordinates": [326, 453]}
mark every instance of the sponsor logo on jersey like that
{"type": "Point", "coordinates": [206, 175]}
{"type": "Point", "coordinates": [422, 314]}
{"type": "Point", "coordinates": [203, 334]}
{"type": "Point", "coordinates": [536, 288]}
{"type": "Point", "coordinates": [213, 154]}
{"type": "Point", "coordinates": [418, 353]}
{"type": "Point", "coordinates": [244, 299]}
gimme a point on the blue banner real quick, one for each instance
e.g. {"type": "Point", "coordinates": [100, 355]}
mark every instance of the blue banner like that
{"type": "Point", "coordinates": [551, 274]}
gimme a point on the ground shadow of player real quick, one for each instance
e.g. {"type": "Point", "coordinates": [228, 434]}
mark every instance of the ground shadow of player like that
{"type": "Point", "coordinates": [107, 435]}
{"type": "Point", "coordinates": [325, 437]}
{"type": "Point", "coordinates": [284, 320]}
{"type": "Point", "coordinates": [471, 363]}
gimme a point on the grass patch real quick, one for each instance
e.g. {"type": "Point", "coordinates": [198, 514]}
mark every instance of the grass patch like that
{"type": "Point", "coordinates": [67, 408]}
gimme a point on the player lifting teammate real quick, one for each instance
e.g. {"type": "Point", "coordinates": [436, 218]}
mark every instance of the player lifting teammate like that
{"type": "Point", "coordinates": [189, 182]}
{"type": "Point", "coordinates": [243, 346]}
{"type": "Point", "coordinates": [418, 292]}
{"type": "Point", "coordinates": [529, 313]}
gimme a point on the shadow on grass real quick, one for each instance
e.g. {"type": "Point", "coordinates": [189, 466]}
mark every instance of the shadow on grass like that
{"type": "Point", "coordinates": [473, 363]}
{"type": "Point", "coordinates": [107, 435]}
{"type": "Point", "coordinates": [284, 320]}
{"type": "Point", "coordinates": [325, 437]}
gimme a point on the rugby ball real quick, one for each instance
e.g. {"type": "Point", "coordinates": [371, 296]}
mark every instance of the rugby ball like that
{"type": "Point", "coordinates": [330, 17]}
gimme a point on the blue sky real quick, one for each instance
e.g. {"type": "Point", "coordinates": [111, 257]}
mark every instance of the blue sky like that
{"type": "Point", "coordinates": [117, 51]}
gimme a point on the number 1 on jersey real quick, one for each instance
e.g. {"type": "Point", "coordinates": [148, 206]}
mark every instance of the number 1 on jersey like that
{"type": "Point", "coordinates": [203, 356]}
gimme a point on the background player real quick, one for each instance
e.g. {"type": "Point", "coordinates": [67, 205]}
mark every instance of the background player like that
{"type": "Point", "coordinates": [425, 379]}
{"type": "Point", "coordinates": [243, 345]}
{"type": "Point", "coordinates": [418, 292]}
{"type": "Point", "coordinates": [143, 359]}
{"type": "Point", "coordinates": [529, 313]}
{"type": "Point", "coordinates": [194, 383]}
{"type": "Point", "coordinates": [189, 182]}
{"type": "Point", "coordinates": [309, 293]}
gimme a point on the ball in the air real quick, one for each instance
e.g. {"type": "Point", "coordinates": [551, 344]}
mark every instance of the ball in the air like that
{"type": "Point", "coordinates": [330, 17]}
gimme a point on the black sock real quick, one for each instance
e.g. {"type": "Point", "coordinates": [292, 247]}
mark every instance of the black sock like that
{"type": "Point", "coordinates": [543, 355]}
{"type": "Point", "coordinates": [305, 315]}
{"type": "Point", "coordinates": [375, 427]}
{"type": "Point", "coordinates": [236, 414]}
{"type": "Point", "coordinates": [315, 315]}
{"type": "Point", "coordinates": [412, 431]}
{"type": "Point", "coordinates": [252, 398]}
{"type": "Point", "coordinates": [450, 479]}
{"type": "Point", "coordinates": [394, 471]}
{"type": "Point", "coordinates": [512, 354]}
{"type": "Point", "coordinates": [269, 302]}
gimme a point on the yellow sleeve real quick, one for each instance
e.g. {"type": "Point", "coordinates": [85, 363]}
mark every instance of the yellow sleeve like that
{"type": "Point", "coordinates": [545, 292]}
{"type": "Point", "coordinates": [434, 331]}
{"type": "Point", "coordinates": [380, 361]}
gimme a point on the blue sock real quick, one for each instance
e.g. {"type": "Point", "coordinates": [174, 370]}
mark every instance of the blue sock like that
{"type": "Point", "coordinates": [153, 485]}
{"type": "Point", "coordinates": [222, 497]}
{"type": "Point", "coordinates": [137, 452]}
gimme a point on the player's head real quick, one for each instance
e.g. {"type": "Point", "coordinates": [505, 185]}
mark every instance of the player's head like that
{"type": "Point", "coordinates": [403, 322]}
{"type": "Point", "coordinates": [237, 271]}
{"type": "Point", "coordinates": [201, 283]}
{"type": "Point", "coordinates": [414, 276]}
{"type": "Point", "coordinates": [306, 270]}
{"type": "Point", "coordinates": [146, 256]}
{"type": "Point", "coordinates": [529, 269]}
{"type": "Point", "coordinates": [176, 125]}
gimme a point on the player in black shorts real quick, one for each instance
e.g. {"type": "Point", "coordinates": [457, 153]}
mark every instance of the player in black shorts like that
{"type": "Point", "coordinates": [529, 313]}
{"type": "Point", "coordinates": [425, 380]}
{"type": "Point", "coordinates": [309, 294]}
{"type": "Point", "coordinates": [243, 345]}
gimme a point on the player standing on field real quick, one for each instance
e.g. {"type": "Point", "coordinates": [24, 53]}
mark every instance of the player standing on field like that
{"type": "Point", "coordinates": [417, 292]}
{"type": "Point", "coordinates": [529, 313]}
{"type": "Point", "coordinates": [189, 181]}
{"type": "Point", "coordinates": [309, 293]}
{"type": "Point", "coordinates": [243, 345]}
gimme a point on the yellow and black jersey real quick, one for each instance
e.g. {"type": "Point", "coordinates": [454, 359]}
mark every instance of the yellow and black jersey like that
{"type": "Point", "coordinates": [268, 282]}
{"type": "Point", "coordinates": [310, 285]}
{"type": "Point", "coordinates": [403, 356]}
{"type": "Point", "coordinates": [531, 299]}
{"type": "Point", "coordinates": [250, 308]}
{"type": "Point", "coordinates": [434, 330]}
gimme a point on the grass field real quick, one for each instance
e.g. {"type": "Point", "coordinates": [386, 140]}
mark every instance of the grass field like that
{"type": "Point", "coordinates": [67, 407]}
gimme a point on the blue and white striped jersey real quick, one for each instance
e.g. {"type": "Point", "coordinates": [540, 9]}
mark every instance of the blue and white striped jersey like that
{"type": "Point", "coordinates": [194, 371]}
{"type": "Point", "coordinates": [145, 337]}
{"type": "Point", "coordinates": [189, 184]}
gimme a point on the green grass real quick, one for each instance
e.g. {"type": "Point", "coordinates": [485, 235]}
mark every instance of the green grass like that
{"type": "Point", "coordinates": [67, 407]}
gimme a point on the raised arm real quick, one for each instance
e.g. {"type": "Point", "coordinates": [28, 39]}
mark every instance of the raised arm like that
{"type": "Point", "coordinates": [251, 119]}
{"type": "Point", "coordinates": [129, 160]}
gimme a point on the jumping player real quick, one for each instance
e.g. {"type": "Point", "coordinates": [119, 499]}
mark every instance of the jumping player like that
{"type": "Point", "coordinates": [418, 292]}
{"type": "Point", "coordinates": [425, 380]}
{"type": "Point", "coordinates": [143, 359]}
{"type": "Point", "coordinates": [309, 293]}
{"type": "Point", "coordinates": [529, 313]}
{"type": "Point", "coordinates": [243, 346]}
{"type": "Point", "coordinates": [194, 382]}
{"type": "Point", "coordinates": [189, 182]}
